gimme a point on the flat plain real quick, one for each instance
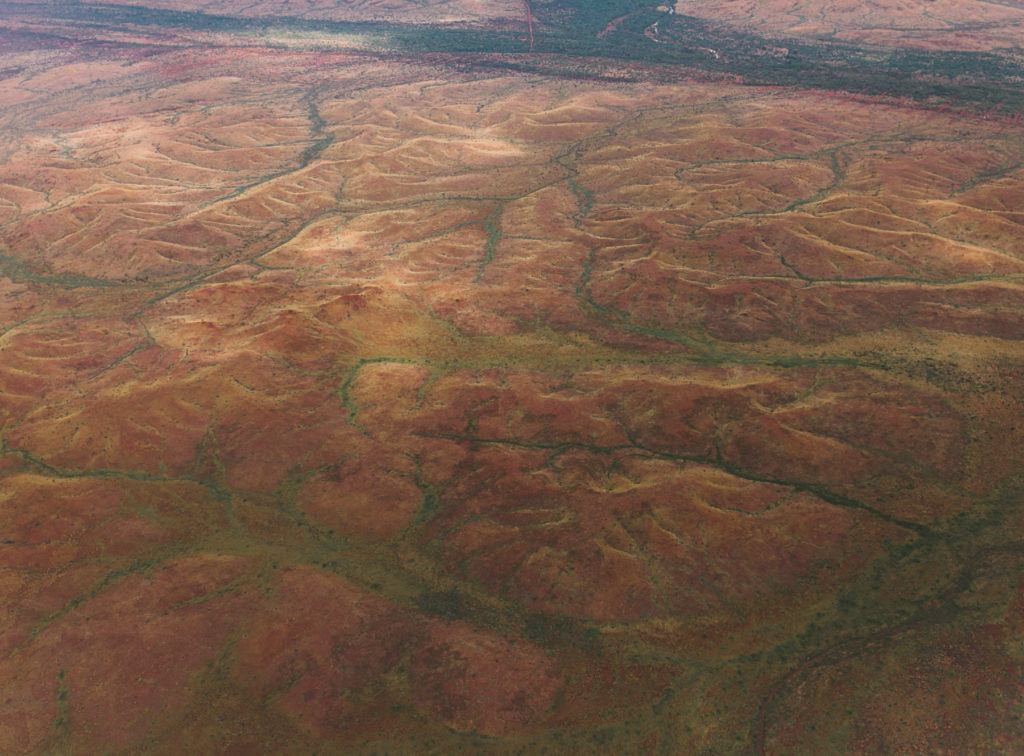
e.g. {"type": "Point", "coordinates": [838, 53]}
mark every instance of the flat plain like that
{"type": "Point", "coordinates": [360, 399]}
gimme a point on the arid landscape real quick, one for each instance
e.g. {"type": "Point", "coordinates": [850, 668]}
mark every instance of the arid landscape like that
{"type": "Point", "coordinates": [365, 393]}
{"type": "Point", "coordinates": [931, 24]}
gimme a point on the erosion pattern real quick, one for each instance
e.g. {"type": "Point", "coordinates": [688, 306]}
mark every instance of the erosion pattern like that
{"type": "Point", "coordinates": [358, 405]}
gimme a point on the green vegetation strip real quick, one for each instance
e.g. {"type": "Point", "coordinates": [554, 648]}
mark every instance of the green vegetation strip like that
{"type": "Point", "coordinates": [578, 29]}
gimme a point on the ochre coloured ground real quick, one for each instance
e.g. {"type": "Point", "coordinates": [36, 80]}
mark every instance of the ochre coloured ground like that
{"type": "Point", "coordinates": [974, 25]}
{"type": "Point", "coordinates": [352, 406]}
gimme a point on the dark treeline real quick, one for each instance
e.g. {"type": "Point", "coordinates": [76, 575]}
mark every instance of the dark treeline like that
{"type": "Point", "coordinates": [573, 28]}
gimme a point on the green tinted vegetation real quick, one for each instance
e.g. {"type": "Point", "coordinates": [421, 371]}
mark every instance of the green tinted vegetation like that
{"type": "Point", "coordinates": [580, 29]}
